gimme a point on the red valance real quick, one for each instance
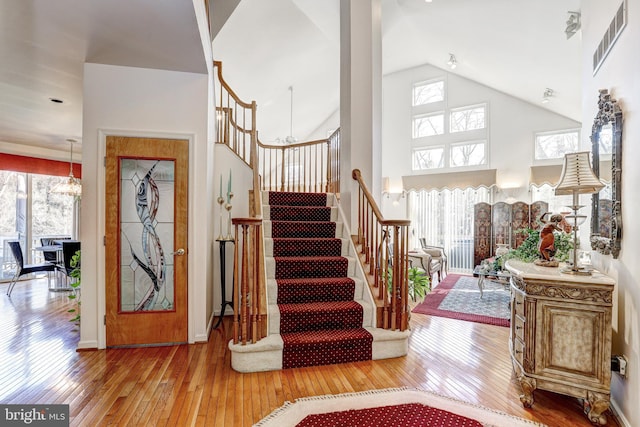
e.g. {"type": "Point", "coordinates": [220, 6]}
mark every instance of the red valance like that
{"type": "Point", "coordinates": [12, 162]}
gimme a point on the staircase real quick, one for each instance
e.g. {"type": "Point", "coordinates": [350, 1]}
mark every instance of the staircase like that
{"type": "Point", "coordinates": [320, 309]}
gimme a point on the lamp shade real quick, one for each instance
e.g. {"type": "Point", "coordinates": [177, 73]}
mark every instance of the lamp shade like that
{"type": "Point", "coordinates": [577, 175]}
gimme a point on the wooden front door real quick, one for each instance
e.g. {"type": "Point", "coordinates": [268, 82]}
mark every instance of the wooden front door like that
{"type": "Point", "coordinates": [146, 241]}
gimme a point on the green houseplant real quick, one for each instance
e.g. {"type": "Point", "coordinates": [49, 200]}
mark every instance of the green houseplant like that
{"type": "Point", "coordinates": [419, 284]}
{"type": "Point", "coordinates": [528, 250]}
{"type": "Point", "coordinates": [75, 295]}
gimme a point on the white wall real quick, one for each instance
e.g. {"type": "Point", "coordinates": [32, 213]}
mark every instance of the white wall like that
{"type": "Point", "coordinates": [619, 74]}
{"type": "Point", "coordinates": [512, 124]}
{"type": "Point", "coordinates": [136, 101]}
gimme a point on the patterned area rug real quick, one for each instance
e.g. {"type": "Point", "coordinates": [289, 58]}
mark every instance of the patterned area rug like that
{"type": "Point", "coordinates": [398, 407]}
{"type": "Point", "coordinates": [458, 297]}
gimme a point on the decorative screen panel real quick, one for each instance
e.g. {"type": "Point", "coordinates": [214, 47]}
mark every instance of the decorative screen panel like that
{"type": "Point", "coordinates": [147, 190]}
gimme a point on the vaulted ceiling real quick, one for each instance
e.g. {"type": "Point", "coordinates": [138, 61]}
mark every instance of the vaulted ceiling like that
{"type": "Point", "coordinates": [515, 46]}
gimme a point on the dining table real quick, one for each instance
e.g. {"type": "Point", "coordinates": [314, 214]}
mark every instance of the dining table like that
{"type": "Point", "coordinates": [59, 284]}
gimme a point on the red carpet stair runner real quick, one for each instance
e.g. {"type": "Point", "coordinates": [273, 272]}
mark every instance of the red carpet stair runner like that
{"type": "Point", "coordinates": [320, 311]}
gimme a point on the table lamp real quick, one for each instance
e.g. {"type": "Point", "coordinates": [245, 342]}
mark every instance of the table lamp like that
{"type": "Point", "coordinates": [577, 178]}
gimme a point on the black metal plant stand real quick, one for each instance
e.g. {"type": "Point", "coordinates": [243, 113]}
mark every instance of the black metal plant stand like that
{"type": "Point", "coordinates": [222, 242]}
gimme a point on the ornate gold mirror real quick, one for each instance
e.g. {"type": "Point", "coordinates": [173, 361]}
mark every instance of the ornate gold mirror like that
{"type": "Point", "coordinates": [606, 137]}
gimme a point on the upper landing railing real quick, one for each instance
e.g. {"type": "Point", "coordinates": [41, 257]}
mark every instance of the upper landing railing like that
{"type": "Point", "coordinates": [312, 166]}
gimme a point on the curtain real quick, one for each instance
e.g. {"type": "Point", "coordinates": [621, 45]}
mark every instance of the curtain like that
{"type": "Point", "coordinates": [445, 218]}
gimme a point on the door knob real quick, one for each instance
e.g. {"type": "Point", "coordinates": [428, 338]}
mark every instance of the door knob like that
{"type": "Point", "coordinates": [178, 252]}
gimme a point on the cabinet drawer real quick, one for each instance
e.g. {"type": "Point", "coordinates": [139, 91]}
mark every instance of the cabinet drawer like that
{"type": "Point", "coordinates": [519, 303]}
{"type": "Point", "coordinates": [518, 350]}
{"type": "Point", "coordinates": [519, 328]}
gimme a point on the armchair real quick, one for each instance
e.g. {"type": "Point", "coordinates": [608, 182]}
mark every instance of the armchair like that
{"type": "Point", "coordinates": [438, 254]}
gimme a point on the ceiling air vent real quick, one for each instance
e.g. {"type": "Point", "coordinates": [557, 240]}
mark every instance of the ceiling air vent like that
{"type": "Point", "coordinates": [610, 36]}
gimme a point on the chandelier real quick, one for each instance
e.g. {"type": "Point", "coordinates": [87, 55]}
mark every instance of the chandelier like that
{"type": "Point", "coordinates": [290, 139]}
{"type": "Point", "coordinates": [71, 186]}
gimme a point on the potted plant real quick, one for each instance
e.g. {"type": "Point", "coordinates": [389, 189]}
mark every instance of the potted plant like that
{"type": "Point", "coordinates": [75, 295]}
{"type": "Point", "coordinates": [528, 250]}
{"type": "Point", "coordinates": [419, 283]}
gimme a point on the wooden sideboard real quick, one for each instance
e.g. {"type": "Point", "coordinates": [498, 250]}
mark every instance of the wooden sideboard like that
{"type": "Point", "coordinates": [560, 336]}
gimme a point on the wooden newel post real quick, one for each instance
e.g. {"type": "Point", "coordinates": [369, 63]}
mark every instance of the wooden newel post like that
{"type": "Point", "coordinates": [247, 273]}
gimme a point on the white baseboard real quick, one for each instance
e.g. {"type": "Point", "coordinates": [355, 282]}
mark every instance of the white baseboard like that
{"type": "Point", "coordinates": [87, 345]}
{"type": "Point", "coordinates": [615, 408]}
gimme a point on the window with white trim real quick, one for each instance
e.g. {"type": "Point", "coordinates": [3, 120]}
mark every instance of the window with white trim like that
{"type": "Point", "coordinates": [428, 125]}
{"type": "Point", "coordinates": [468, 154]}
{"type": "Point", "coordinates": [554, 145]}
{"type": "Point", "coordinates": [428, 158]}
{"type": "Point", "coordinates": [428, 92]}
{"type": "Point", "coordinates": [467, 118]}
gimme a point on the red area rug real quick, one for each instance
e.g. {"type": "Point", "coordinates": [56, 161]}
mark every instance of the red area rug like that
{"type": "Point", "coordinates": [398, 407]}
{"type": "Point", "coordinates": [458, 297]}
{"type": "Point", "coordinates": [410, 414]}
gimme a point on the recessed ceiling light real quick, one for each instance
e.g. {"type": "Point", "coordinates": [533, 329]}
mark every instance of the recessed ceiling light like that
{"type": "Point", "coordinates": [56, 100]}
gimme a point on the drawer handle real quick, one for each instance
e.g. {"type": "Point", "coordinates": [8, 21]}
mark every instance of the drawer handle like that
{"type": "Point", "coordinates": [518, 327]}
{"type": "Point", "coordinates": [518, 352]}
{"type": "Point", "coordinates": [518, 303]}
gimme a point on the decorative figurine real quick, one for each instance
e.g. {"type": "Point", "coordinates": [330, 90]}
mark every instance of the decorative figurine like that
{"type": "Point", "coordinates": [546, 245]}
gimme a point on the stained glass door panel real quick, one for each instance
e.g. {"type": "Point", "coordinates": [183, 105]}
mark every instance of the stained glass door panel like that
{"type": "Point", "coordinates": [146, 221]}
{"type": "Point", "coordinates": [146, 232]}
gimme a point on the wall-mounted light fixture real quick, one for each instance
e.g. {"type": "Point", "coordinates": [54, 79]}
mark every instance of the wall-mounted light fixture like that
{"type": "Point", "coordinates": [393, 187]}
{"type": "Point", "coordinates": [546, 95]}
{"type": "Point", "coordinates": [573, 24]}
{"type": "Point", "coordinates": [452, 62]}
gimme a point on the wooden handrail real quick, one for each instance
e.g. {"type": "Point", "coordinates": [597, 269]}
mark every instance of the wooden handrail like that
{"type": "Point", "coordinates": [218, 66]}
{"type": "Point", "coordinates": [384, 245]}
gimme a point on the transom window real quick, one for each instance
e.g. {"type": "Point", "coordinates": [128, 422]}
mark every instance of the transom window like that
{"type": "Point", "coordinates": [428, 92]}
{"type": "Point", "coordinates": [428, 158]}
{"type": "Point", "coordinates": [460, 154]}
{"type": "Point", "coordinates": [428, 125]}
{"type": "Point", "coordinates": [554, 145]}
{"type": "Point", "coordinates": [468, 154]}
{"type": "Point", "coordinates": [467, 118]}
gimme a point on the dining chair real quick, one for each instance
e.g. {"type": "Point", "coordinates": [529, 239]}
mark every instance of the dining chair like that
{"type": "Point", "coordinates": [23, 268]}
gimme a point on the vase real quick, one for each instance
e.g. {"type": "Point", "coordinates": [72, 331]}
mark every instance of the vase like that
{"type": "Point", "coordinates": [503, 248]}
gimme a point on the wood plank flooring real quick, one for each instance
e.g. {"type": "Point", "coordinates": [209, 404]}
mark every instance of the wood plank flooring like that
{"type": "Point", "coordinates": [194, 385]}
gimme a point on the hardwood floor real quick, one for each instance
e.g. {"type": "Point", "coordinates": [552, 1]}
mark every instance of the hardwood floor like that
{"type": "Point", "coordinates": [194, 384]}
